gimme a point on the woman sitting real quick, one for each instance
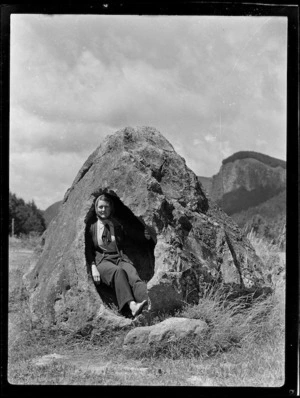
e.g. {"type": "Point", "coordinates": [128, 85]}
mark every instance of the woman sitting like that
{"type": "Point", "coordinates": [108, 262]}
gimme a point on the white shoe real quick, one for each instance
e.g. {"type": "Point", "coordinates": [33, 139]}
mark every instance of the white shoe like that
{"type": "Point", "coordinates": [137, 308]}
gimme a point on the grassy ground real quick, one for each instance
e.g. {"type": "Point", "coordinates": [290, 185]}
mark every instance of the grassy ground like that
{"type": "Point", "coordinates": [244, 345]}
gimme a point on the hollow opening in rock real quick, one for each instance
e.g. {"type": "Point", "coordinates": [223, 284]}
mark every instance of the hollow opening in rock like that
{"type": "Point", "coordinates": [140, 253]}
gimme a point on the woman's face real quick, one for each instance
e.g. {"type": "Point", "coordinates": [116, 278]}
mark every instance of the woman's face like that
{"type": "Point", "coordinates": [103, 209]}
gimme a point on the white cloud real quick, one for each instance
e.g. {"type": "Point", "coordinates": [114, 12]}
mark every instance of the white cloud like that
{"type": "Point", "coordinates": [58, 136]}
{"type": "Point", "coordinates": [262, 144]}
{"type": "Point", "coordinates": [211, 85]}
{"type": "Point", "coordinates": [210, 138]}
{"type": "Point", "coordinates": [43, 177]}
{"type": "Point", "coordinates": [197, 141]}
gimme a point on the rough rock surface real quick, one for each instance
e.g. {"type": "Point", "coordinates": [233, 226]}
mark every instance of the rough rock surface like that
{"type": "Point", "coordinates": [171, 329]}
{"type": "Point", "coordinates": [51, 212]}
{"type": "Point", "coordinates": [196, 243]}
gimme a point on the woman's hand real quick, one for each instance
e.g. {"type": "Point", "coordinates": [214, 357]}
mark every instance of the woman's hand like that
{"type": "Point", "coordinates": [95, 274]}
{"type": "Point", "coordinates": [147, 233]}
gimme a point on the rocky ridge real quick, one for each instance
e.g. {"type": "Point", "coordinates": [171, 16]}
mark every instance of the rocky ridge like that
{"type": "Point", "coordinates": [251, 188]}
{"type": "Point", "coordinates": [245, 179]}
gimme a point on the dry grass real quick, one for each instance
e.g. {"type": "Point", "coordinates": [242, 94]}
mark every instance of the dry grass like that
{"type": "Point", "coordinates": [244, 345]}
{"type": "Point", "coordinates": [233, 325]}
{"type": "Point", "coordinates": [272, 256]}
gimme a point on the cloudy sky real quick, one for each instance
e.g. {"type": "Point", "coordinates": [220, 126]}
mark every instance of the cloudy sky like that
{"type": "Point", "coordinates": [211, 85]}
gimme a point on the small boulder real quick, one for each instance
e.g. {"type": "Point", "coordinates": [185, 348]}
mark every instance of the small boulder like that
{"type": "Point", "coordinates": [171, 329]}
{"type": "Point", "coordinates": [138, 336]}
{"type": "Point", "coordinates": [109, 320]}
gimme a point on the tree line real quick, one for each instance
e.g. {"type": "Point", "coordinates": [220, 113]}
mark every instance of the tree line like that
{"type": "Point", "coordinates": [24, 218]}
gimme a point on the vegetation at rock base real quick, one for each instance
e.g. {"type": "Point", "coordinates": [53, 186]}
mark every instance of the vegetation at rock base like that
{"type": "Point", "coordinates": [234, 326]}
{"type": "Point", "coordinates": [243, 347]}
{"type": "Point", "coordinates": [266, 220]}
{"type": "Point", "coordinates": [24, 218]}
{"type": "Point", "coordinates": [268, 160]}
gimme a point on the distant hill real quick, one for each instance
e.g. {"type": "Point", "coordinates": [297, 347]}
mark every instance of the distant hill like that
{"type": "Point", "coordinates": [250, 187]}
{"type": "Point", "coordinates": [51, 212]}
{"type": "Point", "coordinates": [246, 182]}
{"type": "Point", "coordinates": [268, 160]}
{"type": "Point", "coordinates": [206, 182]}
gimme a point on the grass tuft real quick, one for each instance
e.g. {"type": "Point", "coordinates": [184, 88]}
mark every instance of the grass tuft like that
{"type": "Point", "coordinates": [272, 257]}
{"type": "Point", "coordinates": [232, 324]}
{"type": "Point", "coordinates": [244, 343]}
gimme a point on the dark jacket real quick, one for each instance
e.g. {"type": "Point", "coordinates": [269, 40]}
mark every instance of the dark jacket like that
{"type": "Point", "coordinates": [123, 233]}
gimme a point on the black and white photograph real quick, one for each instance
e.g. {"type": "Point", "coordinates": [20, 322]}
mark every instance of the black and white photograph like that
{"type": "Point", "coordinates": [147, 199]}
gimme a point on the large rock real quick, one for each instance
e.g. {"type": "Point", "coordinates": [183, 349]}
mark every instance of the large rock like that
{"type": "Point", "coordinates": [196, 243]}
{"type": "Point", "coordinates": [171, 329]}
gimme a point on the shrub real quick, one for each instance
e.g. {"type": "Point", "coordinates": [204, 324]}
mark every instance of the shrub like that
{"type": "Point", "coordinates": [233, 323]}
{"type": "Point", "coordinates": [27, 217]}
{"type": "Point", "coordinates": [271, 255]}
